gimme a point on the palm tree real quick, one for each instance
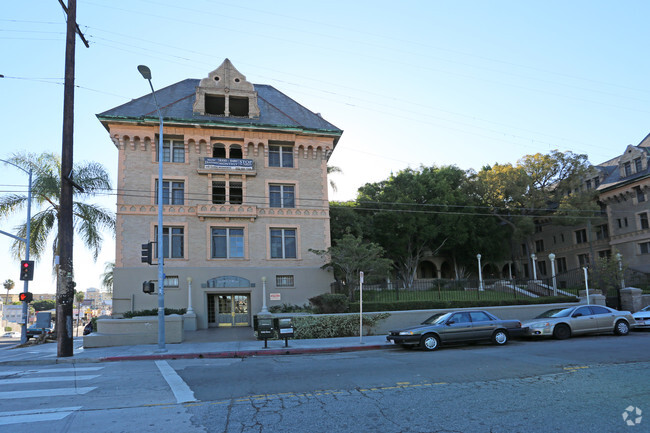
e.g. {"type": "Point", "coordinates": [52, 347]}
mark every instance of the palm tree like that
{"type": "Point", "coordinates": [333, 169]}
{"type": "Point", "coordinates": [107, 276]}
{"type": "Point", "coordinates": [88, 219]}
{"type": "Point", "coordinates": [9, 284]}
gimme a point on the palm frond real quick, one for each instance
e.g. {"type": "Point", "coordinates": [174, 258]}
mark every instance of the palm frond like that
{"type": "Point", "coordinates": [89, 220]}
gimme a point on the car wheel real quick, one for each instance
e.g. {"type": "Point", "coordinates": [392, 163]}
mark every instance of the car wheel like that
{"type": "Point", "coordinates": [500, 337]}
{"type": "Point", "coordinates": [561, 332]}
{"type": "Point", "coordinates": [621, 328]}
{"type": "Point", "coordinates": [429, 342]}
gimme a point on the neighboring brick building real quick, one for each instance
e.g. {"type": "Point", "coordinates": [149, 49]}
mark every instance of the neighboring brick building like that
{"type": "Point", "coordinates": [623, 187]}
{"type": "Point", "coordinates": [245, 197]}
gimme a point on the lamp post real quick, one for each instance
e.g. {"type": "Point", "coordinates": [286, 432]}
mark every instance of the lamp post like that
{"type": "Point", "coordinates": [551, 257]}
{"type": "Point", "coordinates": [533, 257]}
{"type": "Point", "coordinates": [480, 273]}
{"type": "Point", "coordinates": [264, 309]}
{"type": "Point", "coordinates": [190, 310]}
{"type": "Point", "coordinates": [146, 74]}
{"type": "Point", "coordinates": [23, 325]}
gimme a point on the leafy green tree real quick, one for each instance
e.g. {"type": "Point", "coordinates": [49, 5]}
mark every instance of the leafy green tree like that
{"type": "Point", "coordinates": [346, 218]}
{"type": "Point", "coordinates": [352, 255]}
{"type": "Point", "coordinates": [8, 285]}
{"type": "Point", "coordinates": [89, 219]}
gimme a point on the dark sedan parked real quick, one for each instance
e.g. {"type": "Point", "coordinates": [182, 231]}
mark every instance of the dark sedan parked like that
{"type": "Point", "coordinates": [456, 327]}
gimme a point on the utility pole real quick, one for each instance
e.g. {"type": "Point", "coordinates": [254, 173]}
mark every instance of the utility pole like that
{"type": "Point", "coordinates": [65, 284]}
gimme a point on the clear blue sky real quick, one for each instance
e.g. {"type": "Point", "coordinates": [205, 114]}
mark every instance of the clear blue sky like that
{"type": "Point", "coordinates": [468, 83]}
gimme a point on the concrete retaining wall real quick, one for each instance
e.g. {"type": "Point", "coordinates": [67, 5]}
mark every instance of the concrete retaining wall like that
{"type": "Point", "coordinates": [138, 330]}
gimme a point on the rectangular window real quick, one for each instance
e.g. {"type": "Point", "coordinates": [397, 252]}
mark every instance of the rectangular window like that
{"type": "Point", "coordinates": [562, 236]}
{"type": "Point", "coordinates": [284, 280]}
{"type": "Point", "coordinates": [627, 167]}
{"type": "Point", "coordinates": [171, 281]}
{"type": "Point", "coordinates": [588, 184]}
{"type": "Point", "coordinates": [283, 243]}
{"type": "Point", "coordinates": [640, 197]}
{"type": "Point", "coordinates": [173, 192]}
{"type": "Point", "coordinates": [280, 156]}
{"type": "Point", "coordinates": [605, 254]}
{"type": "Point", "coordinates": [539, 246]}
{"type": "Point", "coordinates": [227, 243]}
{"type": "Point", "coordinates": [541, 267]}
{"type": "Point", "coordinates": [596, 182]}
{"type": "Point", "coordinates": [281, 195]}
{"type": "Point", "coordinates": [581, 236]}
{"type": "Point", "coordinates": [583, 260]}
{"type": "Point", "coordinates": [173, 242]}
{"type": "Point", "coordinates": [236, 193]}
{"type": "Point", "coordinates": [602, 232]}
{"type": "Point", "coordinates": [524, 250]}
{"type": "Point", "coordinates": [644, 247]}
{"type": "Point", "coordinates": [173, 151]}
{"type": "Point", "coordinates": [637, 165]}
{"type": "Point", "coordinates": [218, 192]}
{"type": "Point", "coordinates": [643, 220]}
{"type": "Point", "coordinates": [538, 228]}
{"type": "Point", "coordinates": [561, 265]}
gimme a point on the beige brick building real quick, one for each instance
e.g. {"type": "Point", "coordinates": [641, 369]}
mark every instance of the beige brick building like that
{"type": "Point", "coordinates": [245, 197]}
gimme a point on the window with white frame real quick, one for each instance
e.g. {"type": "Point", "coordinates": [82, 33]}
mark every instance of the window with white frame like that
{"type": "Point", "coordinates": [280, 156]}
{"type": "Point", "coordinates": [173, 192]}
{"type": "Point", "coordinates": [282, 196]}
{"type": "Point", "coordinates": [644, 247]}
{"type": "Point", "coordinates": [173, 242]}
{"type": "Point", "coordinates": [173, 151]}
{"type": "Point", "coordinates": [283, 243]}
{"type": "Point", "coordinates": [227, 243]}
{"type": "Point", "coordinates": [643, 221]}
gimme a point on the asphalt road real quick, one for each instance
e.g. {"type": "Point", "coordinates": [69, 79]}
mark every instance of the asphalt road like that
{"type": "Point", "coordinates": [579, 385]}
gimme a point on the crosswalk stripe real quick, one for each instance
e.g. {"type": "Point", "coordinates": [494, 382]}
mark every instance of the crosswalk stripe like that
{"type": "Point", "coordinates": [25, 416]}
{"type": "Point", "coordinates": [49, 370]}
{"type": "Point", "coordinates": [181, 391]}
{"type": "Point", "coordinates": [45, 392]}
{"type": "Point", "coordinates": [46, 379]}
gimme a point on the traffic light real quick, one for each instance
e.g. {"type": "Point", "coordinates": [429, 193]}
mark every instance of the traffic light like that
{"type": "Point", "coordinates": [27, 270]}
{"type": "Point", "coordinates": [146, 252]}
{"type": "Point", "coordinates": [26, 297]}
{"type": "Point", "coordinates": [148, 287]}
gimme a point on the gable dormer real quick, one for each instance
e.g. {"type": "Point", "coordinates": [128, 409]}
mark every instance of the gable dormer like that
{"type": "Point", "coordinates": [633, 161]}
{"type": "Point", "coordinates": [225, 92]}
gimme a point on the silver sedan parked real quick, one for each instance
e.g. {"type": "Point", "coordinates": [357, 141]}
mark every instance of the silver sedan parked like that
{"type": "Point", "coordinates": [642, 318]}
{"type": "Point", "coordinates": [581, 319]}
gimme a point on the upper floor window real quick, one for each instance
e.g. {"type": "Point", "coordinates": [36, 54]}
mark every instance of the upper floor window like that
{"type": "Point", "coordinates": [173, 151]}
{"type": "Point", "coordinates": [173, 242]}
{"type": "Point", "coordinates": [236, 152]}
{"type": "Point", "coordinates": [227, 243]}
{"type": "Point", "coordinates": [637, 165]}
{"type": "Point", "coordinates": [218, 151]}
{"type": "Point", "coordinates": [588, 184]}
{"type": "Point", "coordinates": [173, 192]}
{"type": "Point", "coordinates": [539, 245]}
{"type": "Point", "coordinates": [283, 243]}
{"type": "Point", "coordinates": [602, 232]}
{"type": "Point", "coordinates": [561, 265]}
{"type": "Point", "coordinates": [583, 260]}
{"type": "Point", "coordinates": [596, 182]}
{"type": "Point", "coordinates": [581, 236]}
{"type": "Point", "coordinates": [280, 156]}
{"type": "Point", "coordinates": [627, 168]}
{"type": "Point", "coordinates": [644, 247]}
{"type": "Point", "coordinates": [541, 267]}
{"type": "Point", "coordinates": [227, 192]}
{"type": "Point", "coordinates": [640, 197]}
{"type": "Point", "coordinates": [282, 195]}
{"type": "Point", "coordinates": [643, 220]}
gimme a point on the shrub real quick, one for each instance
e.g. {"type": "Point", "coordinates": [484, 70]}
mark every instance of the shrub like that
{"type": "Point", "coordinates": [333, 326]}
{"type": "Point", "coordinates": [288, 308]}
{"type": "Point", "coordinates": [153, 312]}
{"type": "Point", "coordinates": [329, 303]}
{"type": "Point", "coordinates": [435, 305]}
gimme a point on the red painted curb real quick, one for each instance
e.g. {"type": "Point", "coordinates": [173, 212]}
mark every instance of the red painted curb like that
{"type": "Point", "coordinates": [244, 353]}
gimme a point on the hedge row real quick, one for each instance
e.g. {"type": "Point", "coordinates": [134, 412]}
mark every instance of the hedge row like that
{"type": "Point", "coordinates": [437, 305]}
{"type": "Point", "coordinates": [153, 312]}
{"type": "Point", "coordinates": [309, 327]}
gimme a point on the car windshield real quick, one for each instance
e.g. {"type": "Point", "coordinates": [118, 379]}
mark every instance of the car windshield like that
{"type": "Point", "coordinates": [563, 313]}
{"type": "Point", "coordinates": [436, 319]}
{"type": "Point", "coordinates": [549, 313]}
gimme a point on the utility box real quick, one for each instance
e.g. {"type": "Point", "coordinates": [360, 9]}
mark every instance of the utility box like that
{"type": "Point", "coordinates": [284, 327]}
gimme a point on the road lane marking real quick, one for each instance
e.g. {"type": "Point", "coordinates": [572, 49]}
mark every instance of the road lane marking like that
{"type": "Point", "coordinates": [46, 379]}
{"type": "Point", "coordinates": [181, 391]}
{"type": "Point", "coordinates": [45, 392]}
{"type": "Point", "coordinates": [50, 370]}
{"type": "Point", "coordinates": [25, 416]}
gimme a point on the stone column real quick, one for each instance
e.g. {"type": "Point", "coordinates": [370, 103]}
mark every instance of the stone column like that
{"type": "Point", "coordinates": [631, 299]}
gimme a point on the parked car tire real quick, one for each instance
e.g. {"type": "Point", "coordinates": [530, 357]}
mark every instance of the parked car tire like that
{"type": "Point", "coordinates": [621, 328]}
{"type": "Point", "coordinates": [500, 337]}
{"type": "Point", "coordinates": [561, 331]}
{"type": "Point", "coordinates": [429, 342]}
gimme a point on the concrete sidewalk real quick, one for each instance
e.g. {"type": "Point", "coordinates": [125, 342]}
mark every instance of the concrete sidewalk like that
{"type": "Point", "coordinates": [208, 345]}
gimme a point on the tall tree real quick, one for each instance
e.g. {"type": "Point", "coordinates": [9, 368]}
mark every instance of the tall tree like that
{"type": "Point", "coordinates": [107, 276]}
{"type": "Point", "coordinates": [8, 285]}
{"type": "Point", "coordinates": [89, 219]}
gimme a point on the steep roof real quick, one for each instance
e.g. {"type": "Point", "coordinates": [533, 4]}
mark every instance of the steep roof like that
{"type": "Point", "coordinates": [277, 110]}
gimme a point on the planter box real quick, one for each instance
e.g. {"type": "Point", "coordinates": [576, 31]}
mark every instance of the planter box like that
{"type": "Point", "coordinates": [138, 330]}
